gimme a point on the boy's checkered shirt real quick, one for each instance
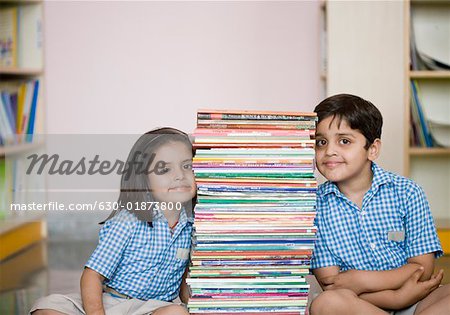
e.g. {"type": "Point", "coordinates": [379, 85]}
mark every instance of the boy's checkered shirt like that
{"type": "Point", "coordinates": [362, 239]}
{"type": "Point", "coordinates": [141, 261]}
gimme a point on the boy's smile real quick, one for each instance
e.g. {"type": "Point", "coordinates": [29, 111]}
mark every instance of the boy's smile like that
{"type": "Point", "coordinates": [341, 155]}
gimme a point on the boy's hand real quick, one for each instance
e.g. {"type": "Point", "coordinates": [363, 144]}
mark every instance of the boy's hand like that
{"type": "Point", "coordinates": [413, 290]}
{"type": "Point", "coordinates": [350, 279]}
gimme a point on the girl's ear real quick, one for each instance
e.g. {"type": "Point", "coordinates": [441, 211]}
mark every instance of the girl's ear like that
{"type": "Point", "coordinates": [374, 150]}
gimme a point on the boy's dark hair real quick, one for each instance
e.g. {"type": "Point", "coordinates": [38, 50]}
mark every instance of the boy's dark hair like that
{"type": "Point", "coordinates": [134, 185]}
{"type": "Point", "coordinates": [356, 111]}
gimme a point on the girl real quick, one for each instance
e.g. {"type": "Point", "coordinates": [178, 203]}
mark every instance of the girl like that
{"type": "Point", "coordinates": [142, 255]}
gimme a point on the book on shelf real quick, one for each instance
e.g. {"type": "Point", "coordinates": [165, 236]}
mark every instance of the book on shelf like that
{"type": "Point", "coordinates": [8, 37]}
{"type": "Point", "coordinates": [420, 125]}
{"type": "Point", "coordinates": [21, 35]}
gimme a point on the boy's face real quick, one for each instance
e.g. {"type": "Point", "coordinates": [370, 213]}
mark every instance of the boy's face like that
{"type": "Point", "coordinates": [340, 152]}
{"type": "Point", "coordinates": [175, 182]}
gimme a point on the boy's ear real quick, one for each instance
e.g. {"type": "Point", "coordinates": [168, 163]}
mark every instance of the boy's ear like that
{"type": "Point", "coordinates": [374, 149]}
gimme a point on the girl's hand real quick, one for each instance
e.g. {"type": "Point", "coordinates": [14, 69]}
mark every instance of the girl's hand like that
{"type": "Point", "coordinates": [413, 290]}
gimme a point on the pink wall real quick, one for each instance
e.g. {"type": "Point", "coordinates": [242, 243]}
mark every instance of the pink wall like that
{"type": "Point", "coordinates": [127, 67]}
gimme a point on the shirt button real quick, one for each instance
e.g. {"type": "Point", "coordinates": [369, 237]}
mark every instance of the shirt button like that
{"type": "Point", "coordinates": [373, 245]}
{"type": "Point", "coordinates": [363, 212]}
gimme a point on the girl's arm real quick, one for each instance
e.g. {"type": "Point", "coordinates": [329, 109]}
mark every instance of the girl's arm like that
{"type": "Point", "coordinates": [92, 292]}
{"type": "Point", "coordinates": [184, 289]}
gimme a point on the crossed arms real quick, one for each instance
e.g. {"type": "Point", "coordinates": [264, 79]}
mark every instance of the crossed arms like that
{"type": "Point", "coordinates": [390, 289]}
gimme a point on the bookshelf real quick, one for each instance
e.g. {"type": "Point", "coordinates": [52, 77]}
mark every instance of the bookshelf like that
{"type": "Point", "coordinates": [21, 65]}
{"type": "Point", "coordinates": [20, 72]}
{"type": "Point", "coordinates": [429, 167]}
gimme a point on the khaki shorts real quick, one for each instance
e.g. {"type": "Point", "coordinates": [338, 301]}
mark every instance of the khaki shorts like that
{"type": "Point", "coordinates": [71, 304]}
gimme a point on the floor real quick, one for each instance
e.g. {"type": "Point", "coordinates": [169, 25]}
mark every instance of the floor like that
{"type": "Point", "coordinates": [66, 261]}
{"type": "Point", "coordinates": [65, 265]}
{"type": "Point", "coordinates": [41, 269]}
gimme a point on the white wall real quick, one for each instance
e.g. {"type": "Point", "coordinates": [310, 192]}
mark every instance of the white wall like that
{"type": "Point", "coordinates": [127, 67]}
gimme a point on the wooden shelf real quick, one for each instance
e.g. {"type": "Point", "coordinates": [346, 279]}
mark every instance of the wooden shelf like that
{"type": "Point", "coordinates": [12, 223]}
{"type": "Point", "coordinates": [429, 151]}
{"type": "Point", "coordinates": [19, 2]}
{"type": "Point", "coordinates": [14, 71]}
{"type": "Point", "coordinates": [428, 2]}
{"type": "Point", "coordinates": [429, 74]}
{"type": "Point", "coordinates": [19, 232]}
{"type": "Point", "coordinates": [19, 148]}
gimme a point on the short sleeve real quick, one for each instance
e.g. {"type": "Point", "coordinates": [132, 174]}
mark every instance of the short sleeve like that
{"type": "Point", "coordinates": [114, 236]}
{"type": "Point", "coordinates": [322, 256]}
{"type": "Point", "coordinates": [421, 237]}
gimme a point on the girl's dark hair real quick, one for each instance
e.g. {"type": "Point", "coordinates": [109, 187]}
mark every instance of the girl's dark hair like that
{"type": "Point", "coordinates": [134, 184]}
{"type": "Point", "coordinates": [357, 112]}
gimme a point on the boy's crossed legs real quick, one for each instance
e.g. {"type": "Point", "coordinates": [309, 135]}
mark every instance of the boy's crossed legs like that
{"type": "Point", "coordinates": [346, 302]}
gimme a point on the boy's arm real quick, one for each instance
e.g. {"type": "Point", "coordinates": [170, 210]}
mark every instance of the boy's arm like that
{"type": "Point", "coordinates": [360, 281]}
{"type": "Point", "coordinates": [427, 262]}
{"type": "Point", "coordinates": [92, 292]}
{"type": "Point", "coordinates": [325, 273]}
{"type": "Point", "coordinates": [184, 289]}
{"type": "Point", "coordinates": [412, 291]}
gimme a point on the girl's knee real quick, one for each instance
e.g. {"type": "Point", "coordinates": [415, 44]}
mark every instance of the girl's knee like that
{"type": "Point", "coordinates": [171, 310]}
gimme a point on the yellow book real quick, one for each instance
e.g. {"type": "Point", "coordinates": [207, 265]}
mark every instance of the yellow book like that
{"type": "Point", "coordinates": [20, 107]}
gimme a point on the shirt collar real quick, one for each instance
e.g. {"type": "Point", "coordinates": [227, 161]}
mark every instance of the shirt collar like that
{"type": "Point", "coordinates": [159, 216]}
{"type": "Point", "coordinates": [380, 177]}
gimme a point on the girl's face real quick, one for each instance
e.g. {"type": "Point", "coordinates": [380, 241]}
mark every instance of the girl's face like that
{"type": "Point", "coordinates": [175, 182]}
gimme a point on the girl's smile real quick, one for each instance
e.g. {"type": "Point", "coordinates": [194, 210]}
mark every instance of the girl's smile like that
{"type": "Point", "coordinates": [175, 181]}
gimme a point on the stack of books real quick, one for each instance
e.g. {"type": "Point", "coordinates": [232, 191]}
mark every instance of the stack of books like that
{"type": "Point", "coordinates": [254, 230]}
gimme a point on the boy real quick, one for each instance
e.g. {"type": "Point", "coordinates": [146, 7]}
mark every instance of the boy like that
{"type": "Point", "coordinates": [376, 240]}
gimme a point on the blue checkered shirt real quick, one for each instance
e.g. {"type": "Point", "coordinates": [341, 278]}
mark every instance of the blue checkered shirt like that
{"type": "Point", "coordinates": [141, 261]}
{"type": "Point", "coordinates": [354, 238]}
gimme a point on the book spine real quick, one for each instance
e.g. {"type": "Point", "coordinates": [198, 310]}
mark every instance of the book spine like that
{"type": "Point", "coordinates": [423, 122]}
{"type": "Point", "coordinates": [30, 129]}
{"type": "Point", "coordinates": [218, 116]}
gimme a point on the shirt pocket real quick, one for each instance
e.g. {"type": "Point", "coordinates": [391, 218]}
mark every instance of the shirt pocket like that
{"type": "Point", "coordinates": [393, 250]}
